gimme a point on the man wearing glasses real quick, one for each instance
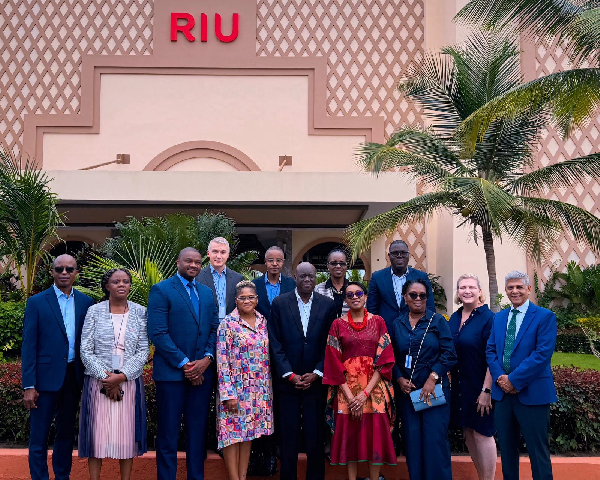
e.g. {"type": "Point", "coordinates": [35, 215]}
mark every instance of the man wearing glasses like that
{"type": "Point", "coordinates": [273, 283]}
{"type": "Point", "coordinates": [385, 288]}
{"type": "Point", "coordinates": [298, 327]}
{"type": "Point", "coordinates": [52, 371]}
{"type": "Point", "coordinates": [335, 286]}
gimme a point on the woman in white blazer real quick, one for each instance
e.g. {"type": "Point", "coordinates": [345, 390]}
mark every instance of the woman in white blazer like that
{"type": "Point", "coordinates": [114, 350]}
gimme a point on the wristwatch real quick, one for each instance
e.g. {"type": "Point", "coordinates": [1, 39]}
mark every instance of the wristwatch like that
{"type": "Point", "coordinates": [435, 376]}
{"type": "Point", "coordinates": [210, 359]}
{"type": "Point", "coordinates": [486, 390]}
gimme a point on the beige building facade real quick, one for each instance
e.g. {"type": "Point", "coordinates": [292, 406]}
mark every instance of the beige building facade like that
{"type": "Point", "coordinates": [253, 108]}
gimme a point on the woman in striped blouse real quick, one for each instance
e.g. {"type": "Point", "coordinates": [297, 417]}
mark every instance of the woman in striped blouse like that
{"type": "Point", "coordinates": [114, 350]}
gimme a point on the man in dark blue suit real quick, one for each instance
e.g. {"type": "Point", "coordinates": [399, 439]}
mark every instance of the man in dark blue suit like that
{"type": "Point", "coordinates": [51, 368]}
{"type": "Point", "coordinates": [519, 351]}
{"type": "Point", "coordinates": [182, 323]}
{"type": "Point", "coordinates": [298, 328]}
{"type": "Point", "coordinates": [274, 283]}
{"type": "Point", "coordinates": [385, 288]}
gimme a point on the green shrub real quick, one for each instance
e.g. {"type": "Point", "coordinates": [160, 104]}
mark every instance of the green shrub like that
{"type": "Point", "coordinates": [11, 328]}
{"type": "Point", "coordinates": [572, 341]}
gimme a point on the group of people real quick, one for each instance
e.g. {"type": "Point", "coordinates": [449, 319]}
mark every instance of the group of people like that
{"type": "Point", "coordinates": [288, 358]}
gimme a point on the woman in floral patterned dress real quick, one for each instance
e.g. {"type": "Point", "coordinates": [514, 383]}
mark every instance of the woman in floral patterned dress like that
{"type": "Point", "coordinates": [358, 367]}
{"type": "Point", "coordinates": [244, 401]}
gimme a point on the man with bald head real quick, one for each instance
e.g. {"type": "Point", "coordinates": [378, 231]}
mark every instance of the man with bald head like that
{"type": "Point", "coordinates": [51, 368]}
{"type": "Point", "coordinates": [182, 323]}
{"type": "Point", "coordinates": [298, 327]}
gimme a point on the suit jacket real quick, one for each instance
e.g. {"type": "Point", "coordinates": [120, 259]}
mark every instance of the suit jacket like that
{"type": "Point", "coordinates": [45, 349]}
{"type": "Point", "coordinates": [292, 351]}
{"type": "Point", "coordinates": [264, 307]}
{"type": "Point", "coordinates": [232, 278]}
{"type": "Point", "coordinates": [381, 298]}
{"type": "Point", "coordinates": [98, 341]}
{"type": "Point", "coordinates": [530, 373]}
{"type": "Point", "coordinates": [176, 329]}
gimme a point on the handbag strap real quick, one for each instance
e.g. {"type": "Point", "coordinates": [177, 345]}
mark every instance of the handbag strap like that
{"type": "Point", "coordinates": [420, 346]}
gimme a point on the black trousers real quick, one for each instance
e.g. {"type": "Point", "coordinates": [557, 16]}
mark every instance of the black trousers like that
{"type": "Point", "coordinates": [304, 409]}
{"type": "Point", "coordinates": [60, 407]}
{"type": "Point", "coordinates": [511, 417]}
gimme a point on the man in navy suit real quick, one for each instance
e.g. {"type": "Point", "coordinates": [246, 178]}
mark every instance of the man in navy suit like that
{"type": "Point", "coordinates": [182, 323]}
{"type": "Point", "coordinates": [274, 283]}
{"type": "Point", "coordinates": [518, 353]}
{"type": "Point", "coordinates": [385, 288]}
{"type": "Point", "coordinates": [298, 328]}
{"type": "Point", "coordinates": [51, 368]}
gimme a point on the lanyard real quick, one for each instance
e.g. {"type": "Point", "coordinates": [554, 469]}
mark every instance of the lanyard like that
{"type": "Point", "coordinates": [118, 336]}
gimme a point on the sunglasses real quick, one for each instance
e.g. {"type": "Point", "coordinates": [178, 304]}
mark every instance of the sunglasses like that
{"type": "Point", "coordinates": [62, 269]}
{"type": "Point", "coordinates": [249, 297]}
{"type": "Point", "coordinates": [351, 295]}
{"type": "Point", "coordinates": [399, 254]}
{"type": "Point", "coordinates": [415, 295]}
{"type": "Point", "coordinates": [341, 264]}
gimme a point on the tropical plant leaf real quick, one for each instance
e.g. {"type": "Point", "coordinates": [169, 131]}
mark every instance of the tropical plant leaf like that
{"type": "Point", "coordinates": [584, 226]}
{"type": "Point", "coordinates": [563, 174]}
{"type": "Point", "coordinates": [573, 23]}
{"type": "Point", "coordinates": [362, 234]}
{"type": "Point", "coordinates": [571, 97]}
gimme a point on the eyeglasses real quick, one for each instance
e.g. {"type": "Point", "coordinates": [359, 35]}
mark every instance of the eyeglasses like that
{"type": "Point", "coordinates": [399, 254]}
{"type": "Point", "coordinates": [275, 260]}
{"type": "Point", "coordinates": [249, 297]}
{"type": "Point", "coordinates": [341, 264]}
{"type": "Point", "coordinates": [415, 295]}
{"type": "Point", "coordinates": [62, 269]}
{"type": "Point", "coordinates": [358, 294]}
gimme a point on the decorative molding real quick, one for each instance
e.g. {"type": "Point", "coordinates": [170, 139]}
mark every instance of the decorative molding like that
{"type": "Point", "coordinates": [203, 149]}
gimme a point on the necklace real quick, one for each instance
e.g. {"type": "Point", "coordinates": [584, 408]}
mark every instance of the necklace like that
{"type": "Point", "coordinates": [358, 326]}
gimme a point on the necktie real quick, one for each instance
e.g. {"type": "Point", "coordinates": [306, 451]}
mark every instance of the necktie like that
{"type": "Point", "coordinates": [509, 341]}
{"type": "Point", "coordinates": [194, 298]}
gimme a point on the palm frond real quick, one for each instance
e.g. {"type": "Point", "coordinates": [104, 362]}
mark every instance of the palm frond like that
{"type": "Point", "coordinates": [487, 65]}
{"type": "Point", "coordinates": [536, 233]}
{"type": "Point", "coordinates": [563, 174]}
{"type": "Point", "coordinates": [432, 84]}
{"type": "Point", "coordinates": [584, 226]}
{"type": "Point", "coordinates": [360, 235]}
{"type": "Point", "coordinates": [574, 23]}
{"type": "Point", "coordinates": [28, 215]}
{"type": "Point", "coordinates": [571, 97]}
{"type": "Point", "coordinates": [483, 202]}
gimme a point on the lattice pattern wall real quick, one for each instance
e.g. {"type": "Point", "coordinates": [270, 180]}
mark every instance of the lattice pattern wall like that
{"type": "Point", "coordinates": [550, 58]}
{"type": "Point", "coordinates": [369, 46]}
{"type": "Point", "coordinates": [42, 43]}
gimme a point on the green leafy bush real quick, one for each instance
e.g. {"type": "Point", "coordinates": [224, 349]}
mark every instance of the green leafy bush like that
{"type": "Point", "coordinates": [574, 420]}
{"type": "Point", "coordinates": [11, 328]}
{"type": "Point", "coordinates": [572, 341]}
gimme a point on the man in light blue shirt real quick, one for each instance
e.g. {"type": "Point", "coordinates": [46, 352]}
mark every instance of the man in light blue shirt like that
{"type": "Point", "coordinates": [52, 370]}
{"type": "Point", "coordinates": [220, 279]}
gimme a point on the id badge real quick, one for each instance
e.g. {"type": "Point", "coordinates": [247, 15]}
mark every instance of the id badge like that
{"type": "Point", "coordinates": [116, 362]}
{"type": "Point", "coordinates": [221, 312]}
{"type": "Point", "coordinates": [408, 362]}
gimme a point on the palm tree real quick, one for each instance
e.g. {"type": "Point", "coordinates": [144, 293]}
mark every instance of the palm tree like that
{"type": "Point", "coordinates": [571, 97]}
{"type": "Point", "coordinates": [149, 248]}
{"type": "Point", "coordinates": [493, 188]}
{"type": "Point", "coordinates": [28, 217]}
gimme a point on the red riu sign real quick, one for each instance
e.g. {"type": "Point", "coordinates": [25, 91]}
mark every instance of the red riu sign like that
{"type": "Point", "coordinates": [190, 22]}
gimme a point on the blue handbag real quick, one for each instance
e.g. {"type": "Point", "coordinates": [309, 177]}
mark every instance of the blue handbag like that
{"type": "Point", "coordinates": [435, 402]}
{"type": "Point", "coordinates": [440, 399]}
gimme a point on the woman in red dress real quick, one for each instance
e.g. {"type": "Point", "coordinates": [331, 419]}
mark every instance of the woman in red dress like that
{"type": "Point", "coordinates": [358, 367]}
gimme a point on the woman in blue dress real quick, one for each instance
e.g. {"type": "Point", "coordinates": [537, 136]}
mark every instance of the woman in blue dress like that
{"type": "Point", "coordinates": [424, 353]}
{"type": "Point", "coordinates": [471, 402]}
